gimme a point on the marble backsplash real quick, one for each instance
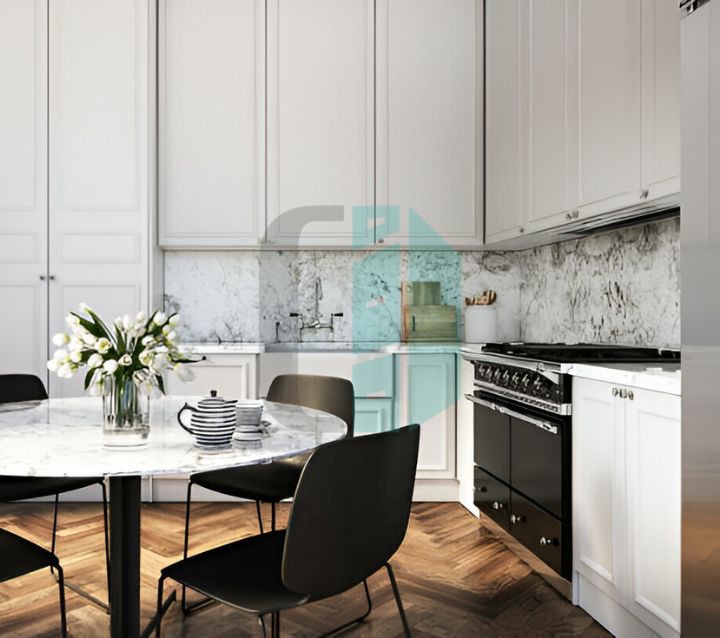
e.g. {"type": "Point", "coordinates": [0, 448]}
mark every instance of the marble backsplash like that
{"type": "Point", "coordinates": [616, 287]}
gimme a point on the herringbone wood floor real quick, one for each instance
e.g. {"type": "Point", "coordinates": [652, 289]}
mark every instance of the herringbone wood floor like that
{"type": "Point", "coordinates": [457, 579]}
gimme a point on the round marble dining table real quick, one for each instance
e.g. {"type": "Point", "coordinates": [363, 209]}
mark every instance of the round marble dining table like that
{"type": "Point", "coordinates": [64, 437]}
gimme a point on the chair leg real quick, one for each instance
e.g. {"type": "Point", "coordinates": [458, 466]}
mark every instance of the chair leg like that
{"type": "Point", "coordinates": [158, 612]}
{"type": "Point", "coordinates": [275, 625]}
{"type": "Point", "coordinates": [355, 621]}
{"type": "Point", "coordinates": [183, 604]}
{"type": "Point", "coordinates": [396, 593]}
{"type": "Point", "coordinates": [259, 515]}
{"type": "Point", "coordinates": [63, 614]}
{"type": "Point", "coordinates": [54, 529]}
{"type": "Point", "coordinates": [107, 538]}
{"type": "Point", "coordinates": [261, 620]}
{"type": "Point", "coordinates": [272, 505]}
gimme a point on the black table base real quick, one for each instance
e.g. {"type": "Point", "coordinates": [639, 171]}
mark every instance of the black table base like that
{"type": "Point", "coordinates": [125, 556]}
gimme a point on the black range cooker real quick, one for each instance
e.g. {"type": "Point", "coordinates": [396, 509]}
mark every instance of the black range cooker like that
{"type": "Point", "coordinates": [523, 427]}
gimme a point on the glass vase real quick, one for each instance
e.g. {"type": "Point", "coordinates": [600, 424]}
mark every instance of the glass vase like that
{"type": "Point", "coordinates": [126, 413]}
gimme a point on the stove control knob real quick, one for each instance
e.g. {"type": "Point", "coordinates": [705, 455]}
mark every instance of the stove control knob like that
{"type": "Point", "coordinates": [515, 379]}
{"type": "Point", "coordinates": [525, 381]}
{"type": "Point", "coordinates": [505, 377]}
{"type": "Point", "coordinates": [496, 375]}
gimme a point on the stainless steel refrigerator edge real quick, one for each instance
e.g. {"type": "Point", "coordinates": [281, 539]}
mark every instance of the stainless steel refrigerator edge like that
{"type": "Point", "coordinates": [700, 280]}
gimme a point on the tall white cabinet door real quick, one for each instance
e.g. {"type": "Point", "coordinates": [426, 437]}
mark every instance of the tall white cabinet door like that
{"type": "Point", "coordinates": [598, 462]}
{"type": "Point", "coordinates": [654, 481]}
{"type": "Point", "coordinates": [551, 82]}
{"type": "Point", "coordinates": [23, 186]}
{"type": "Point", "coordinates": [429, 115]}
{"type": "Point", "coordinates": [661, 97]}
{"type": "Point", "coordinates": [99, 146]}
{"type": "Point", "coordinates": [427, 395]}
{"type": "Point", "coordinates": [609, 104]}
{"type": "Point", "coordinates": [320, 122]}
{"type": "Point", "coordinates": [211, 122]}
{"type": "Point", "coordinates": [505, 121]}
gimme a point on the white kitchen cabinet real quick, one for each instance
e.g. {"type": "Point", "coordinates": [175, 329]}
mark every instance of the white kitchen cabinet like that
{"type": "Point", "coordinates": [23, 186]}
{"type": "Point", "coordinates": [211, 123]}
{"type": "Point", "coordinates": [320, 122]}
{"type": "Point", "coordinates": [426, 394]}
{"type": "Point", "coordinates": [234, 376]}
{"type": "Point", "coordinates": [99, 196]}
{"type": "Point", "coordinates": [609, 82]}
{"type": "Point", "coordinates": [373, 415]}
{"type": "Point", "coordinates": [429, 122]}
{"type": "Point", "coordinates": [653, 506]}
{"type": "Point", "coordinates": [505, 121]}
{"type": "Point", "coordinates": [550, 80]}
{"type": "Point", "coordinates": [660, 98]}
{"type": "Point", "coordinates": [626, 507]}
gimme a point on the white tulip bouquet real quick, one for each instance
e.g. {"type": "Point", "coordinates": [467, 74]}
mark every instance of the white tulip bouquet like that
{"type": "Point", "coordinates": [136, 350]}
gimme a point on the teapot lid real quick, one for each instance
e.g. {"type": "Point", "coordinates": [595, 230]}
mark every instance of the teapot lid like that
{"type": "Point", "coordinates": [213, 401]}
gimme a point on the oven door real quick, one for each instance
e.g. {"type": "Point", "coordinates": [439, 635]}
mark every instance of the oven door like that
{"type": "Point", "coordinates": [532, 443]}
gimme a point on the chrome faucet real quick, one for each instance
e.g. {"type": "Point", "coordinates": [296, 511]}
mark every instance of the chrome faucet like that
{"type": "Point", "coordinates": [314, 322]}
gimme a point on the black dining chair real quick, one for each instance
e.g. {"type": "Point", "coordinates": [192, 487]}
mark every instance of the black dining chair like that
{"type": "Point", "coordinates": [28, 387]}
{"type": "Point", "coordinates": [349, 516]}
{"type": "Point", "coordinates": [276, 481]}
{"type": "Point", "coordinates": [19, 556]}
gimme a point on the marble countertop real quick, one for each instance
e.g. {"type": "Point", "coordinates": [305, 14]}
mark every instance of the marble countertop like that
{"type": "Point", "coordinates": [660, 377]}
{"type": "Point", "coordinates": [450, 347]}
{"type": "Point", "coordinates": [64, 437]}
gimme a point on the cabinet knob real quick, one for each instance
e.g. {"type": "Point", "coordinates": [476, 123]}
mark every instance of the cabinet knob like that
{"type": "Point", "coordinates": [630, 395]}
{"type": "Point", "coordinates": [623, 393]}
{"type": "Point", "coordinates": [573, 214]}
{"type": "Point", "coordinates": [519, 518]}
{"type": "Point", "coordinates": [615, 392]}
{"type": "Point", "coordinates": [497, 506]}
{"type": "Point", "coordinates": [381, 241]}
{"type": "Point", "coordinates": [544, 541]}
{"type": "Point", "coordinates": [644, 193]}
{"type": "Point", "coordinates": [42, 277]}
{"type": "Point", "coordinates": [521, 229]}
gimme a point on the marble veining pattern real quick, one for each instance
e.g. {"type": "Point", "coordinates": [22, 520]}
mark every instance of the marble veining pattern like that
{"type": "Point", "coordinates": [616, 287]}
{"type": "Point", "coordinates": [621, 287]}
{"type": "Point", "coordinates": [64, 437]}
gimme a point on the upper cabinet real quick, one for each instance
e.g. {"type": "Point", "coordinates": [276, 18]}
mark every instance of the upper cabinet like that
{"type": "Point", "coordinates": [661, 98]}
{"type": "Point", "coordinates": [429, 122]}
{"type": "Point", "coordinates": [609, 103]}
{"type": "Point", "coordinates": [211, 104]}
{"type": "Point", "coordinates": [504, 112]}
{"type": "Point", "coordinates": [582, 101]}
{"type": "Point", "coordinates": [320, 121]}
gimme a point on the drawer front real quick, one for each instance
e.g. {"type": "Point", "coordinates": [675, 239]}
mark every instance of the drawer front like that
{"type": "Point", "coordinates": [492, 498]}
{"type": "Point", "coordinates": [539, 531]}
{"type": "Point", "coordinates": [492, 441]}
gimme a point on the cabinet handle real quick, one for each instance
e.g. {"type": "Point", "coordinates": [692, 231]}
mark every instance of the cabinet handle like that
{"type": "Point", "coordinates": [630, 395]}
{"type": "Point", "coordinates": [42, 277]}
{"type": "Point", "coordinates": [480, 489]}
{"type": "Point", "coordinates": [521, 229]}
{"type": "Point", "coordinates": [548, 541]}
{"type": "Point", "coordinates": [381, 241]}
{"type": "Point", "coordinates": [574, 214]}
{"type": "Point", "coordinates": [497, 506]}
{"type": "Point", "coordinates": [515, 519]}
{"type": "Point", "coordinates": [644, 193]}
{"type": "Point", "coordinates": [51, 277]}
{"type": "Point", "coordinates": [623, 393]}
{"type": "Point", "coordinates": [615, 392]}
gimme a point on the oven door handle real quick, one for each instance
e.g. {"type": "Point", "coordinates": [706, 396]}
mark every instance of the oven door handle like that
{"type": "Point", "coordinates": [539, 423]}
